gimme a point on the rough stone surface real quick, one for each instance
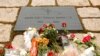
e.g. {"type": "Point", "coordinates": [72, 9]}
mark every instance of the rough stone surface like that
{"type": "Point", "coordinates": [8, 14]}
{"type": "Point", "coordinates": [91, 24]}
{"type": "Point", "coordinates": [12, 3]}
{"type": "Point", "coordinates": [95, 2]}
{"type": "Point", "coordinates": [89, 12]}
{"type": "Point", "coordinates": [5, 30]}
{"type": "Point", "coordinates": [73, 2]}
{"type": "Point", "coordinates": [18, 41]}
{"type": "Point", "coordinates": [80, 35]}
{"type": "Point", "coordinates": [97, 40]}
{"type": "Point", "coordinates": [1, 45]}
{"type": "Point", "coordinates": [42, 2]}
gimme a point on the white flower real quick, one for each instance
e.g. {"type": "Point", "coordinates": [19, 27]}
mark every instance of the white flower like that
{"type": "Point", "coordinates": [89, 52]}
{"type": "Point", "coordinates": [75, 39]}
{"type": "Point", "coordinates": [91, 34]}
{"type": "Point", "coordinates": [68, 36]}
{"type": "Point", "coordinates": [86, 35]}
{"type": "Point", "coordinates": [29, 29]}
{"type": "Point", "coordinates": [23, 52]}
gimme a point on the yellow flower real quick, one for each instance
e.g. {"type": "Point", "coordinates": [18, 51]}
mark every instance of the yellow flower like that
{"type": "Point", "coordinates": [45, 41]}
{"type": "Point", "coordinates": [39, 39]}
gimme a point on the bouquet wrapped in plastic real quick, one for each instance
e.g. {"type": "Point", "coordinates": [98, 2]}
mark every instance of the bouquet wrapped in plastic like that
{"type": "Point", "coordinates": [70, 51]}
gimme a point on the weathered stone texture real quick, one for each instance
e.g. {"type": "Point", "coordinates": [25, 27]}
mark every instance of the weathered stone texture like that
{"type": "Point", "coordinates": [89, 12]}
{"type": "Point", "coordinates": [5, 30]}
{"type": "Point", "coordinates": [73, 2]}
{"type": "Point", "coordinates": [13, 3]}
{"type": "Point", "coordinates": [8, 14]}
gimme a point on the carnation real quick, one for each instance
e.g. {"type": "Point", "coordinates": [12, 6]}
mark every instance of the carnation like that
{"type": "Point", "coordinates": [86, 38]}
{"type": "Point", "coordinates": [64, 24]}
{"type": "Point", "coordinates": [71, 36]}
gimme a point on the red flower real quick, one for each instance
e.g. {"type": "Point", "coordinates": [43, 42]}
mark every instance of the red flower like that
{"type": "Point", "coordinates": [44, 25]}
{"type": "Point", "coordinates": [41, 30]}
{"type": "Point", "coordinates": [72, 35]}
{"type": "Point", "coordinates": [52, 25]}
{"type": "Point", "coordinates": [1, 51]}
{"type": "Point", "coordinates": [50, 53]}
{"type": "Point", "coordinates": [86, 39]}
{"type": "Point", "coordinates": [8, 45]}
{"type": "Point", "coordinates": [64, 24]}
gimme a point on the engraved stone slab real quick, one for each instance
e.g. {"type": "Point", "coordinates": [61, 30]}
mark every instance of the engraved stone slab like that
{"type": "Point", "coordinates": [37, 16]}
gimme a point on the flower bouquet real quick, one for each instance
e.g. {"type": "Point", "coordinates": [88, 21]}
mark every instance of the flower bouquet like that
{"type": "Point", "coordinates": [47, 41]}
{"type": "Point", "coordinates": [49, 31]}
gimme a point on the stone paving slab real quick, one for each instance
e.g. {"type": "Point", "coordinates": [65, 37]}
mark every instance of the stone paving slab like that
{"type": "Point", "coordinates": [42, 2]}
{"type": "Point", "coordinates": [18, 41]}
{"type": "Point", "coordinates": [8, 14]}
{"type": "Point", "coordinates": [91, 24]}
{"type": "Point", "coordinates": [95, 2]}
{"type": "Point", "coordinates": [97, 35]}
{"type": "Point", "coordinates": [12, 3]}
{"type": "Point", "coordinates": [1, 45]}
{"type": "Point", "coordinates": [89, 12]}
{"type": "Point", "coordinates": [86, 11]}
{"type": "Point", "coordinates": [80, 35]}
{"type": "Point", "coordinates": [5, 30]}
{"type": "Point", "coordinates": [73, 2]}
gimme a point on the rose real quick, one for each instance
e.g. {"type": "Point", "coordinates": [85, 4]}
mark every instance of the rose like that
{"type": "Point", "coordinates": [64, 24]}
{"type": "Point", "coordinates": [50, 53]}
{"type": "Point", "coordinates": [41, 30]}
{"type": "Point", "coordinates": [86, 38]}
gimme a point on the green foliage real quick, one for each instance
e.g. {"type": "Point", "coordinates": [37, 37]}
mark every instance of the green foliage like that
{"type": "Point", "coordinates": [42, 49]}
{"type": "Point", "coordinates": [52, 35]}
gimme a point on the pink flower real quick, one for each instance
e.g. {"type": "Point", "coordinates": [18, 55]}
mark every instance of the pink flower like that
{"type": "Point", "coordinates": [72, 35]}
{"type": "Point", "coordinates": [45, 25]}
{"type": "Point", "coordinates": [41, 30]}
{"type": "Point", "coordinates": [86, 39]}
{"type": "Point", "coordinates": [64, 24]}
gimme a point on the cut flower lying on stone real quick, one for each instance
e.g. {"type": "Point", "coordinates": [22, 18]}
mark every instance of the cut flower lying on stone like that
{"type": "Point", "coordinates": [48, 41]}
{"type": "Point", "coordinates": [48, 38]}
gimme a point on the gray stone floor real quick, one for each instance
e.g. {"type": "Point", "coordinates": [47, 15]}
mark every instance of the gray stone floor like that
{"type": "Point", "coordinates": [88, 11]}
